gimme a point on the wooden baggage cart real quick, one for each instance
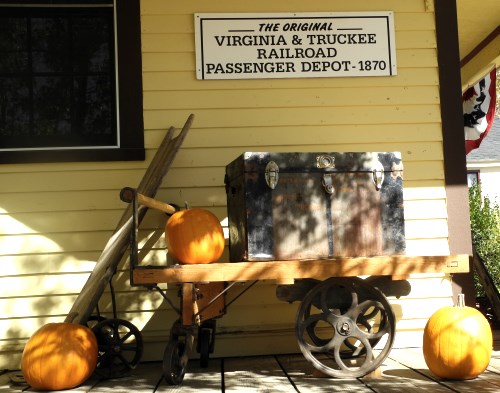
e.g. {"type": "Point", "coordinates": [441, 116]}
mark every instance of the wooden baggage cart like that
{"type": "Point", "coordinates": [345, 326]}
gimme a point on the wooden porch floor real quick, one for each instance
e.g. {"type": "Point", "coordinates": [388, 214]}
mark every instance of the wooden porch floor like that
{"type": "Point", "coordinates": [403, 371]}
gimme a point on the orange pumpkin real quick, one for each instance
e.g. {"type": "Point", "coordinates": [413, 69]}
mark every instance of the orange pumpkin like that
{"type": "Point", "coordinates": [59, 356]}
{"type": "Point", "coordinates": [194, 236]}
{"type": "Point", "coordinates": [457, 342]}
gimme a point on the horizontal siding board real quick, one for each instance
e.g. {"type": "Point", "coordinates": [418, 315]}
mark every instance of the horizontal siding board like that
{"type": "Point", "coordinates": [220, 157]}
{"type": "Point", "coordinates": [427, 246]}
{"type": "Point", "coordinates": [413, 21]}
{"type": "Point", "coordinates": [54, 242]}
{"type": "Point", "coordinates": [267, 117]}
{"type": "Point", "coordinates": [211, 177]}
{"type": "Point", "coordinates": [67, 242]}
{"type": "Point", "coordinates": [177, 42]}
{"type": "Point", "coordinates": [29, 264]}
{"type": "Point", "coordinates": [97, 165]}
{"type": "Point", "coordinates": [48, 201]}
{"type": "Point", "coordinates": [244, 137]}
{"type": "Point", "coordinates": [59, 305]}
{"type": "Point", "coordinates": [71, 181]}
{"type": "Point", "coordinates": [185, 81]}
{"type": "Point", "coordinates": [156, 7]}
{"type": "Point", "coordinates": [73, 221]}
{"type": "Point", "coordinates": [291, 98]}
{"type": "Point", "coordinates": [413, 191]}
{"type": "Point", "coordinates": [426, 228]}
{"type": "Point", "coordinates": [418, 308]}
{"type": "Point", "coordinates": [42, 284]}
{"type": "Point", "coordinates": [421, 209]}
{"type": "Point", "coordinates": [210, 197]}
{"type": "Point", "coordinates": [416, 39]}
{"type": "Point", "coordinates": [425, 170]}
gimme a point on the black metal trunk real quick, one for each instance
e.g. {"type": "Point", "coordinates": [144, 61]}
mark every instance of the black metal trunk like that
{"type": "Point", "coordinates": [285, 206]}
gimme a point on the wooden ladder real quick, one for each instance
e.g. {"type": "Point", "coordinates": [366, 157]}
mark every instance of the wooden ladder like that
{"type": "Point", "coordinates": [117, 245]}
{"type": "Point", "coordinates": [489, 286]}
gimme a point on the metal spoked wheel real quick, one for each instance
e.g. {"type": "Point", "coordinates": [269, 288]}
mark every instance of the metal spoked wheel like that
{"type": "Point", "coordinates": [120, 347]}
{"type": "Point", "coordinates": [345, 327]}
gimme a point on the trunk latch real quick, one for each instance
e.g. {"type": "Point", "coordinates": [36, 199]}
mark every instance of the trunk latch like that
{"type": "Point", "coordinates": [328, 183]}
{"type": "Point", "coordinates": [378, 178]}
{"type": "Point", "coordinates": [271, 174]}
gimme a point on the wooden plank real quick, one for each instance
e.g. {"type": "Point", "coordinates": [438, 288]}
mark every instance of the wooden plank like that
{"type": "Point", "coordinates": [197, 379]}
{"type": "Point", "coordinates": [159, 7]}
{"type": "Point", "coordinates": [423, 209]}
{"type": "Point", "coordinates": [19, 202]}
{"type": "Point", "coordinates": [218, 156]}
{"type": "Point", "coordinates": [308, 380]}
{"type": "Point", "coordinates": [244, 374]}
{"type": "Point", "coordinates": [143, 379]}
{"type": "Point", "coordinates": [413, 358]}
{"type": "Point", "coordinates": [284, 270]}
{"type": "Point", "coordinates": [243, 137]}
{"type": "Point", "coordinates": [118, 243]}
{"type": "Point", "coordinates": [432, 246]}
{"type": "Point", "coordinates": [426, 229]}
{"type": "Point", "coordinates": [312, 97]}
{"type": "Point", "coordinates": [64, 221]}
{"type": "Point", "coordinates": [12, 381]}
{"type": "Point", "coordinates": [326, 116]}
{"type": "Point", "coordinates": [184, 81]}
{"type": "Point", "coordinates": [494, 365]}
{"type": "Point", "coordinates": [68, 180]}
{"type": "Point", "coordinates": [398, 378]}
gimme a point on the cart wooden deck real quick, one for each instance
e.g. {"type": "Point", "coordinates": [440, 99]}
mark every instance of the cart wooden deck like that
{"type": "Point", "coordinates": [285, 272]}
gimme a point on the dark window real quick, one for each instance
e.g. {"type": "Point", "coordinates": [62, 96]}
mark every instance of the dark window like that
{"type": "Point", "coordinates": [472, 178]}
{"type": "Point", "coordinates": [59, 82]}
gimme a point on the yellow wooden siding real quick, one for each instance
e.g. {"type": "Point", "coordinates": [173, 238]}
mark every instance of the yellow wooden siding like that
{"type": "Point", "coordinates": [56, 218]}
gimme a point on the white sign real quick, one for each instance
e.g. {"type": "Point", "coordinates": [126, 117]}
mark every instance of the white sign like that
{"type": "Point", "coordinates": [298, 45]}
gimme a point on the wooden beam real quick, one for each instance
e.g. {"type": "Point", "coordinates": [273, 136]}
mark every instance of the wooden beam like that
{"type": "Point", "coordinates": [483, 44]}
{"type": "Point", "coordinates": [287, 271]}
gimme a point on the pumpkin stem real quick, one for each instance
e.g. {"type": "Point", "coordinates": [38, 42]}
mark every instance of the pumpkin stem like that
{"type": "Point", "coordinates": [461, 300]}
{"type": "Point", "coordinates": [186, 205]}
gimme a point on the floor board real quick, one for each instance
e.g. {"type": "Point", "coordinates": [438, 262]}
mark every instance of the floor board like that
{"type": "Point", "coordinates": [403, 371]}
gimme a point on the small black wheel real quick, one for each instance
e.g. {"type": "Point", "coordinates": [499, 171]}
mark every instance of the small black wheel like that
{"type": "Point", "coordinates": [204, 338]}
{"type": "Point", "coordinates": [94, 320]}
{"type": "Point", "coordinates": [173, 368]}
{"type": "Point", "coordinates": [206, 341]}
{"type": "Point", "coordinates": [120, 347]}
{"type": "Point", "coordinates": [339, 323]}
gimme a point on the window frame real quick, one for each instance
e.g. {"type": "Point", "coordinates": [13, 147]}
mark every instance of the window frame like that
{"type": "Point", "coordinates": [129, 102]}
{"type": "Point", "coordinates": [476, 174]}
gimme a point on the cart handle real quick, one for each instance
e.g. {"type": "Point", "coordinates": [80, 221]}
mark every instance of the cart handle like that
{"type": "Point", "coordinates": [128, 194]}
